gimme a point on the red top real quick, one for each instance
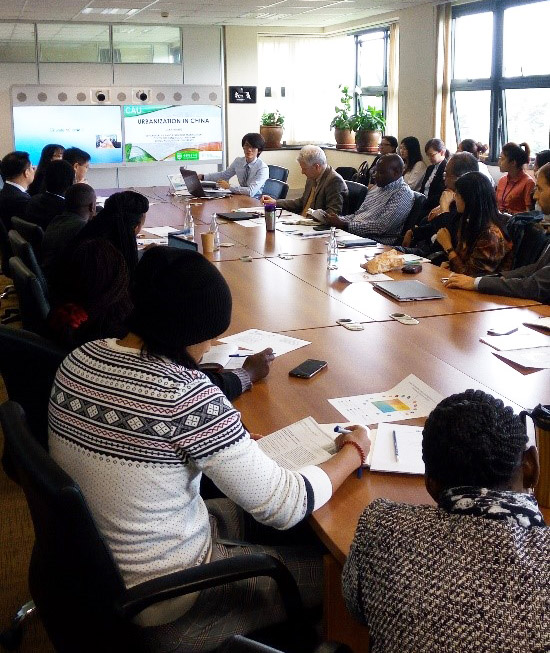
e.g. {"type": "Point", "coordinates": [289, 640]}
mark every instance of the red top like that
{"type": "Point", "coordinates": [515, 195]}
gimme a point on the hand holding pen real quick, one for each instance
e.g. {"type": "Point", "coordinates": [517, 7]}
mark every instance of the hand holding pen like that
{"type": "Point", "coordinates": [358, 437]}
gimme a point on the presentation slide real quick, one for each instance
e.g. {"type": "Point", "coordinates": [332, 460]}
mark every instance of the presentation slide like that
{"type": "Point", "coordinates": [173, 133]}
{"type": "Point", "coordinates": [97, 130]}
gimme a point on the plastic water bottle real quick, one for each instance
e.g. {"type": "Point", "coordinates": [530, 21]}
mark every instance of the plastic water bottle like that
{"type": "Point", "coordinates": [332, 251]}
{"type": "Point", "coordinates": [214, 229]}
{"type": "Point", "coordinates": [188, 228]}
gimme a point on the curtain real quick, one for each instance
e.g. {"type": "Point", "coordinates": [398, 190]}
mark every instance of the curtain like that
{"type": "Point", "coordinates": [392, 111]}
{"type": "Point", "coordinates": [443, 124]}
{"type": "Point", "coordinates": [310, 70]}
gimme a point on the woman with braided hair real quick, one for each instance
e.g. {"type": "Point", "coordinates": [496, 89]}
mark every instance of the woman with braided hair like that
{"type": "Point", "coordinates": [471, 573]}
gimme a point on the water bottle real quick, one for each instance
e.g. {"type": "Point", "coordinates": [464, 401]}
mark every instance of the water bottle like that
{"type": "Point", "coordinates": [188, 229]}
{"type": "Point", "coordinates": [214, 229]}
{"type": "Point", "coordinates": [332, 251]}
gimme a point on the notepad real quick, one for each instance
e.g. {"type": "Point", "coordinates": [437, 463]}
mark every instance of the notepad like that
{"type": "Point", "coordinates": [409, 445]}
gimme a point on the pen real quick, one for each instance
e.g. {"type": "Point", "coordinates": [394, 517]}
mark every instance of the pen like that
{"type": "Point", "coordinates": [339, 429]}
{"type": "Point", "coordinates": [395, 449]}
{"type": "Point", "coordinates": [247, 355]}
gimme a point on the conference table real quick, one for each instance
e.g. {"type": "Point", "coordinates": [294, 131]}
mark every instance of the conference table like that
{"type": "Point", "coordinates": [280, 283]}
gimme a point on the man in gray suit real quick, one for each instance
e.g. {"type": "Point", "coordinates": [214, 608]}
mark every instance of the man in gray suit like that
{"type": "Point", "coordinates": [325, 189]}
{"type": "Point", "coordinates": [528, 282]}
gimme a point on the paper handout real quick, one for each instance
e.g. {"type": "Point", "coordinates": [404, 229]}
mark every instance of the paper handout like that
{"type": "Point", "coordinates": [257, 340]}
{"type": "Point", "coordinates": [409, 446]}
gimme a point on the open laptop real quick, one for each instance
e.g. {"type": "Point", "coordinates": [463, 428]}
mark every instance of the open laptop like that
{"type": "Point", "coordinates": [177, 186]}
{"type": "Point", "coordinates": [407, 291]}
{"type": "Point", "coordinates": [195, 187]}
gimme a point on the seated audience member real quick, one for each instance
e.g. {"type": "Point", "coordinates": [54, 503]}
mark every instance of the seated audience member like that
{"type": "Point", "coordinates": [471, 573]}
{"type": "Point", "coordinates": [80, 160]}
{"type": "Point", "coordinates": [483, 246]}
{"type": "Point", "coordinates": [415, 168]}
{"type": "Point", "coordinates": [120, 222]}
{"type": "Point", "coordinates": [17, 173]}
{"type": "Point", "coordinates": [385, 208]}
{"type": "Point", "coordinates": [469, 145]}
{"type": "Point", "coordinates": [514, 189]}
{"type": "Point", "coordinates": [92, 298]}
{"type": "Point", "coordinates": [51, 152]}
{"type": "Point", "coordinates": [325, 189]}
{"type": "Point", "coordinates": [421, 239]}
{"type": "Point", "coordinates": [141, 482]}
{"type": "Point", "coordinates": [63, 229]}
{"type": "Point", "coordinates": [250, 170]}
{"type": "Point", "coordinates": [45, 206]}
{"type": "Point", "coordinates": [529, 281]}
{"type": "Point", "coordinates": [541, 159]}
{"type": "Point", "coordinates": [433, 183]}
{"type": "Point", "coordinates": [387, 145]}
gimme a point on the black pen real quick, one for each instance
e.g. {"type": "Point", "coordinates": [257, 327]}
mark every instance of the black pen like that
{"type": "Point", "coordinates": [395, 449]}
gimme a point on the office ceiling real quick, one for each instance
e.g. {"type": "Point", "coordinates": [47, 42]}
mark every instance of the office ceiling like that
{"type": "Point", "coordinates": [283, 13]}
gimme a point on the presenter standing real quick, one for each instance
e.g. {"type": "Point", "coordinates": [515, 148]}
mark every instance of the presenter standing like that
{"type": "Point", "coordinates": [250, 170]}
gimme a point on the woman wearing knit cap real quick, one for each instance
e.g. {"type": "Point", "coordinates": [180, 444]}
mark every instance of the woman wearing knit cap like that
{"type": "Point", "coordinates": [153, 424]}
{"type": "Point", "coordinates": [472, 573]}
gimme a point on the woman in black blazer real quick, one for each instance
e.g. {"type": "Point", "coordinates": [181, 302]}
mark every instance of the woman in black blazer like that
{"type": "Point", "coordinates": [433, 183]}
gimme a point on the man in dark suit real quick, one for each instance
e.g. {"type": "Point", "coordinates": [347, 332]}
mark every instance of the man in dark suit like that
{"type": "Point", "coordinates": [42, 208]}
{"type": "Point", "coordinates": [18, 173]}
{"type": "Point", "coordinates": [433, 183]}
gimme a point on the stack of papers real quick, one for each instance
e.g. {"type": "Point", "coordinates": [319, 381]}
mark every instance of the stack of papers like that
{"type": "Point", "coordinates": [526, 348]}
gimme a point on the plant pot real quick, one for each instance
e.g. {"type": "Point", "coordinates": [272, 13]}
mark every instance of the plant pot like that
{"type": "Point", "coordinates": [367, 141]}
{"type": "Point", "coordinates": [272, 135]}
{"type": "Point", "coordinates": [345, 139]}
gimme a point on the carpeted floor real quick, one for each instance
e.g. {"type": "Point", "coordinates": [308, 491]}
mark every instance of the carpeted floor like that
{"type": "Point", "coordinates": [16, 540]}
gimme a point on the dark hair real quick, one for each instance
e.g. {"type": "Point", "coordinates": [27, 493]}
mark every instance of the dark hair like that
{"type": "Point", "coordinates": [58, 177]}
{"type": "Point", "coordinates": [438, 145]}
{"type": "Point", "coordinates": [37, 185]}
{"type": "Point", "coordinates": [180, 299]}
{"type": "Point", "coordinates": [76, 155]}
{"type": "Point", "coordinates": [254, 140]}
{"type": "Point", "coordinates": [519, 154]}
{"type": "Point", "coordinates": [480, 207]}
{"type": "Point", "coordinates": [472, 439]}
{"type": "Point", "coordinates": [391, 140]}
{"type": "Point", "coordinates": [462, 163]}
{"type": "Point", "coordinates": [414, 155]}
{"type": "Point", "coordinates": [475, 148]}
{"type": "Point", "coordinates": [79, 196]}
{"type": "Point", "coordinates": [15, 164]}
{"type": "Point", "coordinates": [542, 157]}
{"type": "Point", "coordinates": [122, 213]}
{"type": "Point", "coordinates": [92, 294]}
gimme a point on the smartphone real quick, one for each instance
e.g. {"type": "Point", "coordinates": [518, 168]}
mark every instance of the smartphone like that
{"type": "Point", "coordinates": [308, 368]}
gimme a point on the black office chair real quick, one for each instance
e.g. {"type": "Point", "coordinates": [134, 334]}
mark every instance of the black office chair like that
{"type": "Point", "coordinates": [356, 195]}
{"type": "Point", "coordinates": [276, 189]}
{"type": "Point", "coordinates": [33, 304]}
{"type": "Point", "coordinates": [416, 213]}
{"type": "Point", "coordinates": [32, 233]}
{"type": "Point", "coordinates": [528, 236]}
{"type": "Point", "coordinates": [240, 644]}
{"type": "Point", "coordinates": [73, 578]}
{"type": "Point", "coordinates": [278, 172]}
{"type": "Point", "coordinates": [25, 251]}
{"type": "Point", "coordinates": [5, 254]}
{"type": "Point", "coordinates": [346, 172]}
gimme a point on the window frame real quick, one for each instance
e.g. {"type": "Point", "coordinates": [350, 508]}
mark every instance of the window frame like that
{"type": "Point", "coordinates": [497, 84]}
{"type": "Point", "coordinates": [379, 91]}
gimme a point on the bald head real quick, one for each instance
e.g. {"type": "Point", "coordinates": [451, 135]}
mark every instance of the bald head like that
{"type": "Point", "coordinates": [389, 168]}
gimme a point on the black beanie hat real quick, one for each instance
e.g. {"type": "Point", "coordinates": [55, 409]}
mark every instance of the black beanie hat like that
{"type": "Point", "coordinates": [179, 297]}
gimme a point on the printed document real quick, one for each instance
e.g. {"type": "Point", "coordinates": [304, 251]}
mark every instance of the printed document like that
{"type": "Point", "coordinates": [523, 339]}
{"type": "Point", "coordinates": [538, 358]}
{"type": "Point", "coordinates": [409, 447]}
{"type": "Point", "coordinates": [257, 340]}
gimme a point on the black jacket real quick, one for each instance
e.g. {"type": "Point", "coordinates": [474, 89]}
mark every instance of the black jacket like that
{"type": "Point", "coordinates": [13, 202]}
{"type": "Point", "coordinates": [436, 187]}
{"type": "Point", "coordinates": [43, 208]}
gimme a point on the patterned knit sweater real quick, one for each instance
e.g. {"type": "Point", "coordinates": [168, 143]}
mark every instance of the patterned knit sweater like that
{"type": "Point", "coordinates": [136, 432]}
{"type": "Point", "coordinates": [428, 581]}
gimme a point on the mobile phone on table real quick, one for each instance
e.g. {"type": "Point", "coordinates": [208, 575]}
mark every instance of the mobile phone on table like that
{"type": "Point", "coordinates": [308, 368]}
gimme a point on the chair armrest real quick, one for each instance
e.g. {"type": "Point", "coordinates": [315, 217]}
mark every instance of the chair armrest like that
{"type": "Point", "coordinates": [213, 574]}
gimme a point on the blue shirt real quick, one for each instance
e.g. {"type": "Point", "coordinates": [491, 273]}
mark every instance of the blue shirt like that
{"type": "Point", "coordinates": [253, 185]}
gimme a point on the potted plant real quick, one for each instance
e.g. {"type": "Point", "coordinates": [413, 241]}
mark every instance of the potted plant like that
{"type": "Point", "coordinates": [271, 128]}
{"type": "Point", "coordinates": [368, 125]}
{"type": "Point", "coordinates": [343, 134]}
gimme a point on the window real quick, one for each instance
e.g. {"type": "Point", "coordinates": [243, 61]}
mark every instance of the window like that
{"type": "Point", "coordinates": [500, 88]}
{"type": "Point", "coordinates": [73, 43]}
{"type": "Point", "coordinates": [146, 44]}
{"type": "Point", "coordinates": [17, 43]}
{"type": "Point", "coordinates": [371, 78]}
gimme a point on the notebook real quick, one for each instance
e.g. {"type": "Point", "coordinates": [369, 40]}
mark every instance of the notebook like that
{"type": "Point", "coordinates": [357, 242]}
{"type": "Point", "coordinates": [237, 215]}
{"type": "Point", "coordinates": [407, 291]}
{"type": "Point", "coordinates": [195, 187]}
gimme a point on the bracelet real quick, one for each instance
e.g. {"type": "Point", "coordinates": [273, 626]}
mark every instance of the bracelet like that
{"type": "Point", "coordinates": [359, 449]}
{"type": "Point", "coordinates": [448, 251]}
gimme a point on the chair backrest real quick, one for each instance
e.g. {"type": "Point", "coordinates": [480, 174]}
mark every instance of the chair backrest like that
{"type": "Point", "coordinates": [31, 232]}
{"type": "Point", "coordinates": [416, 212]}
{"type": "Point", "coordinates": [25, 251]}
{"type": "Point", "coordinates": [278, 172]}
{"type": "Point", "coordinates": [28, 363]}
{"type": "Point", "coordinates": [73, 578]}
{"type": "Point", "coordinates": [276, 189]}
{"type": "Point", "coordinates": [33, 304]}
{"type": "Point", "coordinates": [346, 172]}
{"type": "Point", "coordinates": [5, 249]}
{"type": "Point", "coordinates": [528, 237]}
{"type": "Point", "coordinates": [356, 195]}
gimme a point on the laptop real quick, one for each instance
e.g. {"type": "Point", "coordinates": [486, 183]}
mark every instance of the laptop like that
{"type": "Point", "coordinates": [407, 291]}
{"type": "Point", "coordinates": [234, 216]}
{"type": "Point", "coordinates": [177, 186]}
{"type": "Point", "coordinates": [195, 187]}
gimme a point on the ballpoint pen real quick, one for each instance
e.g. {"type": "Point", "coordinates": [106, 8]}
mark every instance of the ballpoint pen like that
{"type": "Point", "coordinates": [343, 431]}
{"type": "Point", "coordinates": [246, 355]}
{"type": "Point", "coordinates": [395, 449]}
